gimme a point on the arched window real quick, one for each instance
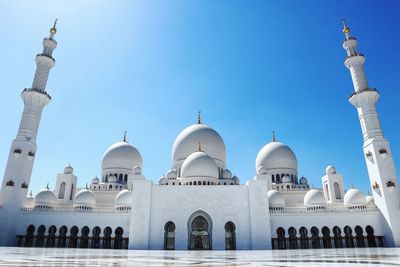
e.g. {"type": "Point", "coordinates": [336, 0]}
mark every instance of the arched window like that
{"type": "Point", "coordinates": [327, 192]}
{"type": "Point", "coordinates": [337, 237]}
{"type": "Point", "coordinates": [230, 236]}
{"type": "Point", "coordinates": [348, 238]}
{"type": "Point", "coordinates": [169, 236]}
{"type": "Point", "coordinates": [51, 238]}
{"type": "Point", "coordinates": [107, 237]}
{"type": "Point", "coordinates": [96, 237]}
{"type": "Point", "coordinates": [126, 178]}
{"type": "Point", "coordinates": [303, 237]}
{"type": "Point", "coordinates": [61, 193]}
{"type": "Point", "coordinates": [85, 237]}
{"type": "Point", "coordinates": [336, 187]}
{"type": "Point", "coordinates": [292, 238]}
{"type": "Point", "coordinates": [118, 238]}
{"type": "Point", "coordinates": [120, 177]}
{"type": "Point", "coordinates": [73, 238]}
{"type": "Point", "coordinates": [208, 183]}
{"type": "Point", "coordinates": [326, 237]}
{"type": "Point", "coordinates": [370, 236]}
{"type": "Point", "coordinates": [204, 182]}
{"type": "Point", "coordinates": [29, 236]}
{"type": "Point", "coordinates": [62, 238]}
{"type": "Point", "coordinates": [278, 178]}
{"type": "Point", "coordinates": [195, 183]}
{"type": "Point", "coordinates": [72, 192]}
{"type": "Point", "coordinates": [281, 238]}
{"type": "Point", "coordinates": [273, 178]}
{"type": "Point", "coordinates": [315, 240]}
{"type": "Point", "coordinates": [359, 236]}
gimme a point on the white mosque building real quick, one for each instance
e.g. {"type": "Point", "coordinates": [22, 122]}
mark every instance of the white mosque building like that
{"type": "Point", "coordinates": [199, 204]}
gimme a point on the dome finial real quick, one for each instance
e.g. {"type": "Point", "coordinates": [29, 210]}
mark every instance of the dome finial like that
{"type": "Point", "coordinates": [200, 147]}
{"type": "Point", "coordinates": [30, 194]}
{"type": "Point", "coordinates": [125, 136]}
{"type": "Point", "coordinates": [273, 136]}
{"type": "Point", "coordinates": [53, 30]}
{"type": "Point", "coordinates": [346, 29]}
{"type": "Point", "coordinates": [199, 117]}
{"type": "Point", "coordinates": [86, 186]}
{"type": "Point", "coordinates": [47, 186]}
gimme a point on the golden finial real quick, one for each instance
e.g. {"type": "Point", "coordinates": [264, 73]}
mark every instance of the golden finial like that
{"type": "Point", "coordinates": [346, 29]}
{"type": "Point", "coordinates": [125, 136]}
{"type": "Point", "coordinates": [53, 30]}
{"type": "Point", "coordinates": [273, 136]}
{"type": "Point", "coordinates": [199, 117]}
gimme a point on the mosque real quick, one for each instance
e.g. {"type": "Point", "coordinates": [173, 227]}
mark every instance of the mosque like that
{"type": "Point", "coordinates": [199, 204]}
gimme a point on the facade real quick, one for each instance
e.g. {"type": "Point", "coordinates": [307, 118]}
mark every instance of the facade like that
{"type": "Point", "coordinates": [200, 204]}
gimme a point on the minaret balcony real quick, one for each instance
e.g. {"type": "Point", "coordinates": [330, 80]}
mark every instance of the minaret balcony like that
{"type": "Point", "coordinates": [45, 60]}
{"type": "Point", "coordinates": [37, 90]}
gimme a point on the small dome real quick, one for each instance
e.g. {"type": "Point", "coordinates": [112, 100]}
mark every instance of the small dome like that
{"type": "Point", "coordinates": [29, 200]}
{"type": "Point", "coordinates": [369, 200]}
{"type": "Point", "coordinates": [112, 179]}
{"type": "Point", "coordinates": [188, 141]}
{"type": "Point", "coordinates": [226, 174]}
{"type": "Point", "coordinates": [162, 180]}
{"type": "Point", "coordinates": [137, 170]}
{"type": "Point", "coordinates": [95, 180]}
{"type": "Point", "coordinates": [330, 170]}
{"type": "Point", "coordinates": [123, 199]}
{"type": "Point", "coordinates": [45, 198]}
{"type": "Point", "coordinates": [261, 170]}
{"type": "Point", "coordinates": [354, 197]}
{"type": "Point", "coordinates": [314, 197]}
{"type": "Point", "coordinates": [286, 179]}
{"type": "Point", "coordinates": [121, 155]}
{"type": "Point", "coordinates": [276, 155]}
{"type": "Point", "coordinates": [275, 199]}
{"type": "Point", "coordinates": [303, 180]}
{"type": "Point", "coordinates": [171, 174]}
{"type": "Point", "coordinates": [199, 165]}
{"type": "Point", "coordinates": [85, 198]}
{"type": "Point", "coordinates": [236, 179]}
{"type": "Point", "coordinates": [68, 170]}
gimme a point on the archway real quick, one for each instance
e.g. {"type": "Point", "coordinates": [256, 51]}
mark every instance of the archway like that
{"type": "Point", "coordinates": [85, 237]}
{"type": "Point", "coordinates": [292, 238]}
{"type": "Point", "coordinates": [315, 240]}
{"type": "Point", "coordinates": [337, 237]}
{"type": "Point", "coordinates": [62, 238]}
{"type": "Point", "coordinates": [370, 236]}
{"type": "Point", "coordinates": [281, 238]}
{"type": "Point", "coordinates": [29, 236]}
{"type": "Point", "coordinates": [359, 236]}
{"type": "Point", "coordinates": [200, 228]}
{"type": "Point", "coordinates": [118, 238]}
{"type": "Point", "coordinates": [40, 236]}
{"type": "Point", "coordinates": [304, 238]}
{"type": "Point", "coordinates": [51, 238]}
{"type": "Point", "coordinates": [230, 236]}
{"type": "Point", "coordinates": [96, 237]}
{"type": "Point", "coordinates": [169, 236]}
{"type": "Point", "coordinates": [348, 238]}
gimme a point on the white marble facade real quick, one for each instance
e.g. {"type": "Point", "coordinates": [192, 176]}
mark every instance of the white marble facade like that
{"type": "Point", "coordinates": [199, 204]}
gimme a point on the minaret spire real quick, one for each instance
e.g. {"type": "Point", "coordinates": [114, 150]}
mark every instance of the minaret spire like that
{"type": "Point", "coordinates": [53, 30]}
{"type": "Point", "coordinates": [17, 174]}
{"type": "Point", "coordinates": [378, 157]}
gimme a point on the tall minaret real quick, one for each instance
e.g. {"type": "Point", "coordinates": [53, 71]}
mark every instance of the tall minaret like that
{"type": "Point", "coordinates": [381, 169]}
{"type": "Point", "coordinates": [22, 153]}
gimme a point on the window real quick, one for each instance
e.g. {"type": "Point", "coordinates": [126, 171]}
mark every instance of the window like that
{"type": "Point", "coordinates": [72, 192]}
{"type": "Point", "coordinates": [61, 192]}
{"type": "Point", "coordinates": [336, 187]}
{"type": "Point", "coordinates": [169, 236]}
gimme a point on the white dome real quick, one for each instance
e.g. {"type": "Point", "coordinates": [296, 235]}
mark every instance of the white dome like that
{"type": "Point", "coordinates": [162, 180]}
{"type": "Point", "coordinates": [199, 165]}
{"type": "Point", "coordinates": [112, 179]}
{"type": "Point", "coordinates": [303, 180]}
{"type": "Point", "coordinates": [188, 141]}
{"type": "Point", "coordinates": [330, 170]}
{"type": "Point", "coordinates": [314, 198]}
{"type": "Point", "coordinates": [124, 198]}
{"type": "Point", "coordinates": [137, 170]}
{"type": "Point", "coordinates": [85, 198]}
{"type": "Point", "coordinates": [121, 155]}
{"type": "Point", "coordinates": [276, 155]}
{"type": "Point", "coordinates": [171, 174]}
{"type": "Point", "coordinates": [95, 180]}
{"type": "Point", "coordinates": [236, 179]}
{"type": "Point", "coordinates": [226, 174]}
{"type": "Point", "coordinates": [29, 200]}
{"type": "Point", "coordinates": [369, 200]}
{"type": "Point", "coordinates": [286, 179]}
{"type": "Point", "coordinates": [68, 170]}
{"type": "Point", "coordinates": [261, 170]}
{"type": "Point", "coordinates": [275, 199]}
{"type": "Point", "coordinates": [354, 197]}
{"type": "Point", "coordinates": [45, 197]}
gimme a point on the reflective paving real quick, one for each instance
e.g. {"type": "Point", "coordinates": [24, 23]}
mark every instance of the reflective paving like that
{"type": "Point", "coordinates": [309, 258]}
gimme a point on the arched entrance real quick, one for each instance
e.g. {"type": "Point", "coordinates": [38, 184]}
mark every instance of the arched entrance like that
{"type": "Point", "coordinates": [199, 232]}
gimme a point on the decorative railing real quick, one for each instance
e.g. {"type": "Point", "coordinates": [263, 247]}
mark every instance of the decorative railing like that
{"type": "Point", "coordinates": [74, 210]}
{"type": "Point", "coordinates": [327, 208]}
{"type": "Point", "coordinates": [37, 90]}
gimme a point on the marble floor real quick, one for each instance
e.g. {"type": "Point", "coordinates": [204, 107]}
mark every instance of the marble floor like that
{"type": "Point", "coordinates": [309, 258]}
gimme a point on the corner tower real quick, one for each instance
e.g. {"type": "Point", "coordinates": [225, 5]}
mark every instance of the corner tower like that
{"type": "Point", "coordinates": [22, 153]}
{"type": "Point", "coordinates": [381, 169]}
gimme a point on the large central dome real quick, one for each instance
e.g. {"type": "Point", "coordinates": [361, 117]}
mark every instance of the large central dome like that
{"type": "Point", "coordinates": [188, 141]}
{"type": "Point", "coordinates": [276, 155]}
{"type": "Point", "coordinates": [121, 155]}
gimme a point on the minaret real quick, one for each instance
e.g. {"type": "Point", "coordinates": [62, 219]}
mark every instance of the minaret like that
{"type": "Point", "coordinates": [381, 169]}
{"type": "Point", "coordinates": [22, 153]}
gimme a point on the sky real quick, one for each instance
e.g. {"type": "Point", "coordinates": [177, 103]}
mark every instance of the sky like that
{"type": "Point", "coordinates": [147, 67]}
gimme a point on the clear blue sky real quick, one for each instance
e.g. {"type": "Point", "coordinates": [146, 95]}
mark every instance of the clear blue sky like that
{"type": "Point", "coordinates": [148, 66]}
